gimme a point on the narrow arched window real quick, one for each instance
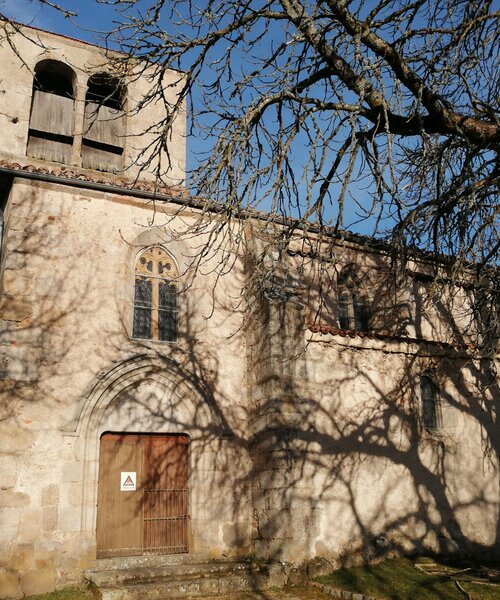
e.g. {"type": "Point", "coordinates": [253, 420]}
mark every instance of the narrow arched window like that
{"type": "Point", "coordinates": [431, 414]}
{"type": "Point", "coordinates": [52, 118]}
{"type": "Point", "coordinates": [155, 296]}
{"type": "Point", "coordinates": [361, 312]}
{"type": "Point", "coordinates": [353, 306]}
{"type": "Point", "coordinates": [344, 309]}
{"type": "Point", "coordinates": [104, 126]}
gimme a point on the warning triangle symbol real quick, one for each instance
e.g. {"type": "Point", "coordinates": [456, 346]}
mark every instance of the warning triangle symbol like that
{"type": "Point", "coordinates": [128, 481]}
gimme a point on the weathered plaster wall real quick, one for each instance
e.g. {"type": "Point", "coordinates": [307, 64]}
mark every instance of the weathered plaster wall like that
{"type": "Point", "coordinates": [67, 310]}
{"type": "Point", "coordinates": [344, 467]}
{"type": "Point", "coordinates": [303, 444]}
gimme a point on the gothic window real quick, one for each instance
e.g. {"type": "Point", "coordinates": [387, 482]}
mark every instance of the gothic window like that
{"type": "Point", "coordinates": [104, 126]}
{"type": "Point", "coordinates": [429, 393]}
{"type": "Point", "coordinates": [344, 309]}
{"type": "Point", "coordinates": [361, 312]}
{"type": "Point", "coordinates": [52, 117]}
{"type": "Point", "coordinates": [155, 296]}
{"type": "Point", "coordinates": [353, 306]}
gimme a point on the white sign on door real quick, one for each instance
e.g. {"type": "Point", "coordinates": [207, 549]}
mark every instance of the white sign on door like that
{"type": "Point", "coordinates": [128, 481]}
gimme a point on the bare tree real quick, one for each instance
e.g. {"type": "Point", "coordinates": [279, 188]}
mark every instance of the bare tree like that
{"type": "Point", "coordinates": [306, 110]}
{"type": "Point", "coordinates": [312, 108]}
{"type": "Point", "coordinates": [332, 111]}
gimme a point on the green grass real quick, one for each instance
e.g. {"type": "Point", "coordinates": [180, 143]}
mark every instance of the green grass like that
{"type": "Point", "coordinates": [69, 593]}
{"type": "Point", "coordinates": [399, 579]}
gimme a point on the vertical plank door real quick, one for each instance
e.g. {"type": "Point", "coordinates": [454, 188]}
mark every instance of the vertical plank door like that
{"type": "Point", "coordinates": [166, 510]}
{"type": "Point", "coordinates": [153, 519]}
{"type": "Point", "coordinates": [119, 513]}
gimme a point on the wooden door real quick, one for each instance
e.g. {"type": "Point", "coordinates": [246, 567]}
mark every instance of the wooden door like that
{"type": "Point", "coordinates": [166, 495]}
{"type": "Point", "coordinates": [153, 517]}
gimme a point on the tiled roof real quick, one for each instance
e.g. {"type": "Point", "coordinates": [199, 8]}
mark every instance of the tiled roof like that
{"type": "Point", "coordinates": [162, 192]}
{"type": "Point", "coordinates": [385, 336]}
{"type": "Point", "coordinates": [84, 175]}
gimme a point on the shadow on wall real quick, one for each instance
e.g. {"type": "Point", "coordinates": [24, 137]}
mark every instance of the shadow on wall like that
{"type": "Point", "coordinates": [46, 296]}
{"type": "Point", "coordinates": [324, 453]}
{"type": "Point", "coordinates": [330, 454]}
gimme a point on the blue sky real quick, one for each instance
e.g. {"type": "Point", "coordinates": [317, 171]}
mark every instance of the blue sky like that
{"type": "Point", "coordinates": [91, 16]}
{"type": "Point", "coordinates": [96, 19]}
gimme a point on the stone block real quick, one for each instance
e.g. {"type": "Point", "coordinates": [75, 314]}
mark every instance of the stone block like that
{"type": "Point", "coordinates": [13, 499]}
{"type": "Point", "coordinates": [49, 518]}
{"type": "Point", "coordinates": [278, 575]}
{"type": "Point", "coordinates": [15, 260]}
{"type": "Point", "coordinates": [279, 500]}
{"type": "Point", "coordinates": [47, 555]}
{"type": "Point", "coordinates": [260, 501]}
{"type": "Point", "coordinates": [73, 471]}
{"type": "Point", "coordinates": [273, 479]}
{"type": "Point", "coordinates": [30, 526]}
{"type": "Point", "coordinates": [69, 519]}
{"type": "Point", "coordinates": [9, 518]}
{"type": "Point", "coordinates": [21, 557]}
{"type": "Point", "coordinates": [4, 556]}
{"type": "Point", "coordinates": [75, 494]}
{"type": "Point", "coordinates": [9, 471]}
{"type": "Point", "coordinates": [9, 584]}
{"type": "Point", "coordinates": [13, 438]}
{"type": "Point", "coordinates": [50, 562]}
{"type": "Point", "coordinates": [15, 309]}
{"type": "Point", "coordinates": [50, 495]}
{"type": "Point", "coordinates": [20, 364]}
{"type": "Point", "coordinates": [40, 581]}
{"type": "Point", "coordinates": [14, 283]}
{"type": "Point", "coordinates": [69, 565]}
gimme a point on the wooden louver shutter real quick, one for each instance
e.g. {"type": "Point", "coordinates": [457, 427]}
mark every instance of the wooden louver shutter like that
{"type": "Point", "coordinates": [52, 114]}
{"type": "Point", "coordinates": [104, 125]}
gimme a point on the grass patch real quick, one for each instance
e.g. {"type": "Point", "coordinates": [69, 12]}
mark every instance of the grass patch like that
{"type": "Point", "coordinates": [69, 593]}
{"type": "Point", "coordinates": [399, 579]}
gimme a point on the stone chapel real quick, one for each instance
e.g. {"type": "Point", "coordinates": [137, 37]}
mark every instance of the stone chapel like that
{"type": "Point", "coordinates": [157, 414]}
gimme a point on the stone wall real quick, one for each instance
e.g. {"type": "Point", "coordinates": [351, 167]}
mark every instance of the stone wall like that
{"type": "Point", "coordinates": [306, 440]}
{"type": "Point", "coordinates": [304, 443]}
{"type": "Point", "coordinates": [71, 371]}
{"type": "Point", "coordinates": [344, 467]}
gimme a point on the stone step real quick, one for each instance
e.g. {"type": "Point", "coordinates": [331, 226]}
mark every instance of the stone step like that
{"type": "Point", "coordinates": [214, 586]}
{"type": "Point", "coordinates": [133, 574]}
{"type": "Point", "coordinates": [152, 560]}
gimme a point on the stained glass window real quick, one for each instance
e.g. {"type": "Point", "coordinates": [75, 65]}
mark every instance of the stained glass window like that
{"type": "Point", "coordinates": [167, 312]}
{"type": "Point", "coordinates": [142, 308]}
{"type": "Point", "coordinates": [353, 306]}
{"type": "Point", "coordinates": [155, 296]}
{"type": "Point", "coordinates": [361, 314]}
{"type": "Point", "coordinates": [344, 302]}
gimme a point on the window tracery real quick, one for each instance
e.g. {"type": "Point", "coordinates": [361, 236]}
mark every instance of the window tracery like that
{"type": "Point", "coordinates": [155, 296]}
{"type": "Point", "coordinates": [353, 306]}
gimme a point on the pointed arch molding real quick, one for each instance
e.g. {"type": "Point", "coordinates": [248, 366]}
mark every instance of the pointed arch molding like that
{"type": "Point", "coordinates": [186, 404]}
{"type": "Point", "coordinates": [129, 373]}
